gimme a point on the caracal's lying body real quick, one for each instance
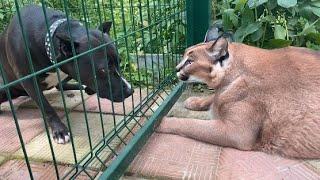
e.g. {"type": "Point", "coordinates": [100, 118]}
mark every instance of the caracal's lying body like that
{"type": "Point", "coordinates": [266, 100]}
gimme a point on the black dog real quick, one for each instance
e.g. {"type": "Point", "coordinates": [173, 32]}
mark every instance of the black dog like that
{"type": "Point", "coordinates": [13, 57]}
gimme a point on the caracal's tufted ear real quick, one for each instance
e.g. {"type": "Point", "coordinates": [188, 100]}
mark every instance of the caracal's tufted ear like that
{"type": "Point", "coordinates": [212, 34]}
{"type": "Point", "coordinates": [216, 30]}
{"type": "Point", "coordinates": [217, 49]}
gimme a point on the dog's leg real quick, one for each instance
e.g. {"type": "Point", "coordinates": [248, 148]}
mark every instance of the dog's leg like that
{"type": "Point", "coordinates": [14, 93]}
{"type": "Point", "coordinates": [60, 132]}
{"type": "Point", "coordinates": [3, 98]}
{"type": "Point", "coordinates": [238, 130]}
{"type": "Point", "coordinates": [68, 86]}
{"type": "Point", "coordinates": [73, 86]}
{"type": "Point", "coordinates": [199, 103]}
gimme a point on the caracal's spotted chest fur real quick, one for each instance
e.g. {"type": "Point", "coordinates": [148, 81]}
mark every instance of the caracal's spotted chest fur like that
{"type": "Point", "coordinates": [267, 100]}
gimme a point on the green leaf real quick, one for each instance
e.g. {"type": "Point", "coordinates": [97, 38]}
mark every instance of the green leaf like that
{"type": "Point", "coordinates": [244, 31]}
{"type": "Point", "coordinates": [268, 18]}
{"type": "Point", "coordinates": [239, 4]}
{"type": "Point", "coordinates": [247, 17]}
{"type": "Point", "coordinates": [256, 36]}
{"type": "Point", "coordinates": [315, 3]}
{"type": "Point", "coordinates": [308, 28]}
{"type": "Point", "coordinates": [277, 43]}
{"type": "Point", "coordinates": [255, 3]}
{"type": "Point", "coordinates": [313, 46]}
{"type": "Point", "coordinates": [314, 37]}
{"type": "Point", "coordinates": [1, 16]}
{"type": "Point", "coordinates": [305, 11]}
{"type": "Point", "coordinates": [272, 4]}
{"type": "Point", "coordinates": [229, 19]}
{"type": "Point", "coordinates": [279, 32]}
{"type": "Point", "coordinates": [287, 3]}
{"type": "Point", "coordinates": [292, 22]}
{"type": "Point", "coordinates": [316, 11]}
{"type": "Point", "coordinates": [233, 17]}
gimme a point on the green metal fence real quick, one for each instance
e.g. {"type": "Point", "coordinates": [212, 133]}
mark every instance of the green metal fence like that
{"type": "Point", "coordinates": [150, 36]}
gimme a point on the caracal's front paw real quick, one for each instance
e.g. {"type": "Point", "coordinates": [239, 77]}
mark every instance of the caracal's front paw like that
{"type": "Point", "coordinates": [165, 125]}
{"type": "Point", "coordinates": [195, 104]}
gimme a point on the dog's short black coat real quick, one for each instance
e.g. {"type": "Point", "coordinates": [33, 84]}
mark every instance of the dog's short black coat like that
{"type": "Point", "coordinates": [13, 57]}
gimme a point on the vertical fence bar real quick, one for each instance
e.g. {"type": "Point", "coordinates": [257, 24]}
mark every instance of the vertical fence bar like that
{"type": "Point", "coordinates": [198, 19]}
{"type": "Point", "coordinates": [117, 43]}
{"type": "Point", "coordinates": [144, 44]}
{"type": "Point", "coordinates": [59, 79]}
{"type": "Point", "coordinates": [124, 21]}
{"type": "Point", "coordinates": [36, 85]}
{"type": "Point", "coordinates": [15, 118]}
{"type": "Point", "coordinates": [156, 32]}
{"type": "Point", "coordinates": [133, 20]}
{"type": "Point", "coordinates": [119, 165]}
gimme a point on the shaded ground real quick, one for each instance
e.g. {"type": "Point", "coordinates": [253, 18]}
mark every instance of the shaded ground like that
{"type": "Point", "coordinates": [164, 156]}
{"type": "Point", "coordinates": [86, 135]}
{"type": "Point", "coordinates": [175, 157]}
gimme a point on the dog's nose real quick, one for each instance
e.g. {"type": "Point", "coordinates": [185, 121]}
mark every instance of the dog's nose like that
{"type": "Point", "coordinates": [130, 91]}
{"type": "Point", "coordinates": [126, 86]}
{"type": "Point", "coordinates": [89, 91]}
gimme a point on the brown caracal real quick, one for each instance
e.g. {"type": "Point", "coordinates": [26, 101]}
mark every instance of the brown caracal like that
{"type": "Point", "coordinates": [265, 100]}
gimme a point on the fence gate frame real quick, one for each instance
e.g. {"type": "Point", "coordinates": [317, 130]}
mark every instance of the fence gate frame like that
{"type": "Point", "coordinates": [196, 13]}
{"type": "Point", "coordinates": [198, 21]}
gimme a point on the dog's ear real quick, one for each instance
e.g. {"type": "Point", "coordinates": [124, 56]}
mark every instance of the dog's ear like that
{"type": "Point", "coordinates": [217, 49]}
{"type": "Point", "coordinates": [105, 27]}
{"type": "Point", "coordinates": [66, 44]}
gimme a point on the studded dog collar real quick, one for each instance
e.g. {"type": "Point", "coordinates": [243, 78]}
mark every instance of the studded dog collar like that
{"type": "Point", "coordinates": [47, 43]}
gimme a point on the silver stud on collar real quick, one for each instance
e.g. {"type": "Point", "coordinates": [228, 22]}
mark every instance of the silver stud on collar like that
{"type": "Point", "coordinates": [47, 43]}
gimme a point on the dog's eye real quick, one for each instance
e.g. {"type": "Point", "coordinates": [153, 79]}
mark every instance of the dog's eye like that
{"type": "Point", "coordinates": [102, 73]}
{"type": "Point", "coordinates": [110, 62]}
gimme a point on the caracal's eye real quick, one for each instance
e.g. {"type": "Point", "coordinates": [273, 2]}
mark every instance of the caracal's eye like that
{"type": "Point", "coordinates": [188, 61]}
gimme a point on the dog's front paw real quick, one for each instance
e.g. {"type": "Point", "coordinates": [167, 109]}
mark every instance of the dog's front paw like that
{"type": "Point", "coordinates": [194, 103]}
{"type": "Point", "coordinates": [60, 133]}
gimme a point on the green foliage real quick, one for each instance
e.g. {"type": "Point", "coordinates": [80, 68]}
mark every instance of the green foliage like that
{"type": "Point", "coordinates": [287, 3]}
{"type": "Point", "coordinates": [272, 23]}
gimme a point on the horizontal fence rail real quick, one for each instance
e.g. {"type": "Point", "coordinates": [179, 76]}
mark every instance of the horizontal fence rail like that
{"type": "Point", "coordinates": [149, 37]}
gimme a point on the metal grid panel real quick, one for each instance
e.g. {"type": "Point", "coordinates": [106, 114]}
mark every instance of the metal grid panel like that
{"type": "Point", "coordinates": [149, 35]}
